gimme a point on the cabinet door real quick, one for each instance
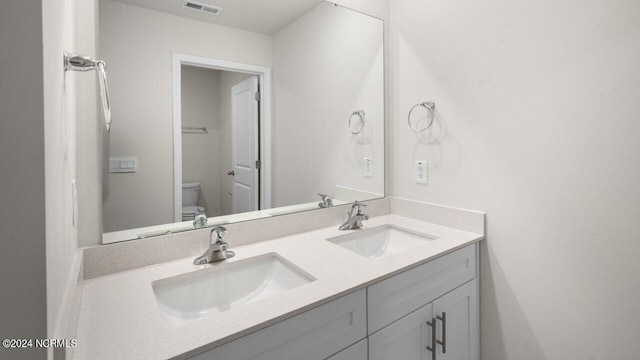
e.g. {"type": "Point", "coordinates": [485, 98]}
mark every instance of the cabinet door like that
{"type": "Point", "coordinates": [354, 352]}
{"type": "Point", "coordinates": [404, 339]}
{"type": "Point", "coordinates": [456, 316]}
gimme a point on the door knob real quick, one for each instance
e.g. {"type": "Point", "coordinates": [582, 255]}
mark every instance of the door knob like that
{"type": "Point", "coordinates": [231, 172]}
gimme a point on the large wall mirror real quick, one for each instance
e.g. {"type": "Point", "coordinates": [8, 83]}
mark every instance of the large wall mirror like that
{"type": "Point", "coordinates": [230, 110]}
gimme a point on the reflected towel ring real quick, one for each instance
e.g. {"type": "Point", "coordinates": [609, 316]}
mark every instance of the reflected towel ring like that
{"type": "Point", "coordinates": [104, 93]}
{"type": "Point", "coordinates": [75, 62]}
{"type": "Point", "coordinates": [430, 106]}
{"type": "Point", "coordinates": [360, 115]}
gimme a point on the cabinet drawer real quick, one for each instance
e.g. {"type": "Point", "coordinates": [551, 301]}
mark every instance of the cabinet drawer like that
{"type": "Point", "coordinates": [395, 297]}
{"type": "Point", "coordinates": [357, 351]}
{"type": "Point", "coordinates": [312, 335]}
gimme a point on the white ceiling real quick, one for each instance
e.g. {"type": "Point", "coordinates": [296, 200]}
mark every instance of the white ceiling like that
{"type": "Point", "coordinates": [261, 16]}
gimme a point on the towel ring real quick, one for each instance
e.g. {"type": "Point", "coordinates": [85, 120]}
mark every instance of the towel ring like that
{"type": "Point", "coordinates": [430, 106]}
{"type": "Point", "coordinates": [360, 115]}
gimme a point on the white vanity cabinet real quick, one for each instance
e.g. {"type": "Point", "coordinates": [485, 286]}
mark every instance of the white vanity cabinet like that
{"type": "Point", "coordinates": [454, 319]}
{"type": "Point", "coordinates": [432, 307]}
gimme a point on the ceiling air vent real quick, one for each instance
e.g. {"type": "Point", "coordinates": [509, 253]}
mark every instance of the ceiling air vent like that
{"type": "Point", "coordinates": [194, 5]}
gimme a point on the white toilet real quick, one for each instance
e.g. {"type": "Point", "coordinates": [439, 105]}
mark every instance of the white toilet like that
{"type": "Point", "coordinates": [190, 193]}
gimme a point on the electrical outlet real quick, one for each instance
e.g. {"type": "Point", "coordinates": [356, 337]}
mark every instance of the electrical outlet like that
{"type": "Point", "coordinates": [368, 167]}
{"type": "Point", "coordinates": [421, 172]}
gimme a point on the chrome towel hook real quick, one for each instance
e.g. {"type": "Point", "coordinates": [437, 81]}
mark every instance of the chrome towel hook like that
{"type": "Point", "coordinates": [360, 115]}
{"type": "Point", "coordinates": [430, 106]}
{"type": "Point", "coordinates": [75, 62]}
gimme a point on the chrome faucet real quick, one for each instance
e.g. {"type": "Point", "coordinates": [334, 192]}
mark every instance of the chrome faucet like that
{"type": "Point", "coordinates": [326, 201]}
{"type": "Point", "coordinates": [355, 217]}
{"type": "Point", "coordinates": [200, 219]}
{"type": "Point", "coordinates": [217, 250]}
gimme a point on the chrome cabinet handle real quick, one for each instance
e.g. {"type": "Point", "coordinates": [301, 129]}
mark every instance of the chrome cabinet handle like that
{"type": "Point", "coordinates": [423, 338]}
{"type": "Point", "coordinates": [231, 173]}
{"type": "Point", "coordinates": [432, 348]}
{"type": "Point", "coordinates": [443, 343]}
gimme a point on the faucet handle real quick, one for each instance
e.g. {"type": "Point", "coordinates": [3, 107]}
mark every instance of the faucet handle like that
{"type": "Point", "coordinates": [219, 231]}
{"type": "Point", "coordinates": [326, 202]}
{"type": "Point", "coordinates": [357, 206]}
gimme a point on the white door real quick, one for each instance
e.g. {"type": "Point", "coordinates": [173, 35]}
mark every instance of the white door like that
{"type": "Point", "coordinates": [244, 145]}
{"type": "Point", "coordinates": [405, 339]}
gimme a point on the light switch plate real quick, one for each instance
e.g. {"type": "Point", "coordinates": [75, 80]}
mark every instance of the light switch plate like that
{"type": "Point", "coordinates": [123, 164]}
{"type": "Point", "coordinates": [368, 167]}
{"type": "Point", "coordinates": [421, 171]}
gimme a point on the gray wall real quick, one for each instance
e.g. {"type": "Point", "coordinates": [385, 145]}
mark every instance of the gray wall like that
{"type": "Point", "coordinates": [39, 109]}
{"type": "Point", "coordinates": [23, 303]}
{"type": "Point", "coordinates": [201, 161]}
{"type": "Point", "coordinates": [315, 92]}
{"type": "Point", "coordinates": [67, 25]}
{"type": "Point", "coordinates": [89, 130]}
{"type": "Point", "coordinates": [540, 111]}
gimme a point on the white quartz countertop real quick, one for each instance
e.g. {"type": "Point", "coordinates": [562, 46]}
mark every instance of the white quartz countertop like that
{"type": "Point", "coordinates": [120, 319]}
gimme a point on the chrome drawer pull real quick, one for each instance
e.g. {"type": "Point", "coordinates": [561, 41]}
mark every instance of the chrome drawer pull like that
{"type": "Point", "coordinates": [432, 348]}
{"type": "Point", "coordinates": [443, 318]}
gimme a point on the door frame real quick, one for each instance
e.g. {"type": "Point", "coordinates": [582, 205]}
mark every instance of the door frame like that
{"type": "Point", "coordinates": [264, 81]}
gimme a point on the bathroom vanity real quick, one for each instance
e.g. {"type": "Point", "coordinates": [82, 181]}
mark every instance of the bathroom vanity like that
{"type": "Point", "coordinates": [403, 287]}
{"type": "Point", "coordinates": [427, 312]}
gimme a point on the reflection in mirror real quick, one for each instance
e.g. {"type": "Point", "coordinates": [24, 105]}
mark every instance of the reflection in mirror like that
{"type": "Point", "coordinates": [215, 153]}
{"type": "Point", "coordinates": [217, 138]}
{"type": "Point", "coordinates": [246, 114]}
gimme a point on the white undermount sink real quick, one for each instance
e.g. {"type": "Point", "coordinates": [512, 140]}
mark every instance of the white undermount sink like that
{"type": "Point", "coordinates": [192, 296]}
{"type": "Point", "coordinates": [380, 241]}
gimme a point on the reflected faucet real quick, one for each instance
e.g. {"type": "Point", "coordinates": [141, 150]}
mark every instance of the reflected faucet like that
{"type": "Point", "coordinates": [355, 217]}
{"type": "Point", "coordinates": [217, 250]}
{"type": "Point", "coordinates": [200, 219]}
{"type": "Point", "coordinates": [326, 201]}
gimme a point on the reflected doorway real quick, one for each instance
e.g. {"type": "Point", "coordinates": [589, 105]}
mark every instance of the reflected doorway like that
{"type": "Point", "coordinates": [221, 162]}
